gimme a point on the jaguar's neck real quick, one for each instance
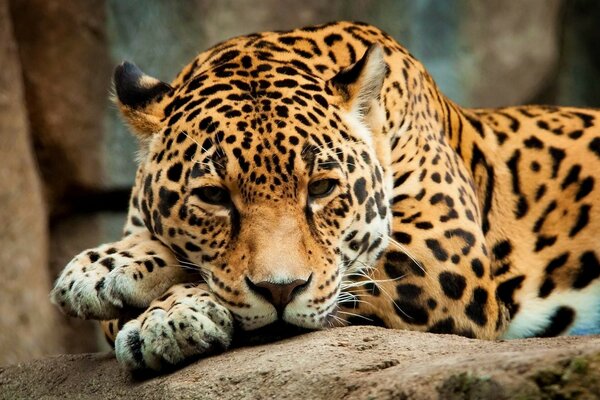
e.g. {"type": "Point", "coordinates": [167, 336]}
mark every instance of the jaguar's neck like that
{"type": "Point", "coordinates": [423, 113]}
{"type": "Point", "coordinates": [472, 140]}
{"type": "Point", "coordinates": [466, 133]}
{"type": "Point", "coordinates": [431, 125]}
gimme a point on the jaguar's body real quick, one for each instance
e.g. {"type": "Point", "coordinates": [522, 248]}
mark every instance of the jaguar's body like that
{"type": "Point", "coordinates": [319, 177]}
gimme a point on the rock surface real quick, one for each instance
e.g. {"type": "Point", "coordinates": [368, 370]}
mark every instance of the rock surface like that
{"type": "Point", "coordinates": [67, 75]}
{"type": "Point", "coordinates": [346, 363]}
{"type": "Point", "coordinates": [500, 51]}
{"type": "Point", "coordinates": [27, 325]}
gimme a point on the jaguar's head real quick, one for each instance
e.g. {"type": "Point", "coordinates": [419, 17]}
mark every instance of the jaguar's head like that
{"type": "Point", "coordinates": [265, 176]}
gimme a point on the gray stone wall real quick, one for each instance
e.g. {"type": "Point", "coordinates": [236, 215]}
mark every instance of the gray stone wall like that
{"type": "Point", "coordinates": [25, 314]}
{"type": "Point", "coordinates": [68, 161]}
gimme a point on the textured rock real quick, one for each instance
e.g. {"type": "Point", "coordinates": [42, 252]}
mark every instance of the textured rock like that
{"type": "Point", "coordinates": [486, 53]}
{"type": "Point", "coordinates": [514, 50]}
{"type": "Point", "coordinates": [347, 363]}
{"type": "Point", "coordinates": [67, 76]}
{"type": "Point", "coordinates": [27, 323]}
{"type": "Point", "coordinates": [579, 65]}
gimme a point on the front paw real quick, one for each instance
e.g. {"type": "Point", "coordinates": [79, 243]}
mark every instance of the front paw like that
{"type": "Point", "coordinates": [161, 338]}
{"type": "Point", "coordinates": [77, 291]}
{"type": "Point", "coordinates": [100, 283]}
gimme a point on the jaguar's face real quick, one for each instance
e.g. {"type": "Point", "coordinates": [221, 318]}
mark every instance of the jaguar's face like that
{"type": "Point", "coordinates": [270, 186]}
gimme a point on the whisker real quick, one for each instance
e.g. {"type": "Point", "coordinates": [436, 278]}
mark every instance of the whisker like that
{"type": "Point", "coordinates": [355, 315]}
{"type": "Point", "coordinates": [203, 151]}
{"type": "Point", "coordinates": [369, 280]}
{"type": "Point", "coordinates": [360, 301]}
{"type": "Point", "coordinates": [405, 251]}
{"type": "Point", "coordinates": [394, 302]}
{"type": "Point", "coordinates": [195, 141]}
{"type": "Point", "coordinates": [182, 266]}
{"type": "Point", "coordinates": [341, 321]}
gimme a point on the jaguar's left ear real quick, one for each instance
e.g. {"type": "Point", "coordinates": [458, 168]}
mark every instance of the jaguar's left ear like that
{"type": "Point", "coordinates": [360, 83]}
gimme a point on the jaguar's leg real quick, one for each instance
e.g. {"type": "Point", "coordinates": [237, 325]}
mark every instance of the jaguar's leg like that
{"type": "Point", "coordinates": [100, 282]}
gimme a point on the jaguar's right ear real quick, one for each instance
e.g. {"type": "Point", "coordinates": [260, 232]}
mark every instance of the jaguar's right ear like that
{"type": "Point", "coordinates": [140, 99]}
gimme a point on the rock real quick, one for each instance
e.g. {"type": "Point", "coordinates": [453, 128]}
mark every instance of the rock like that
{"type": "Point", "coordinates": [579, 66]}
{"type": "Point", "coordinates": [485, 54]}
{"type": "Point", "coordinates": [513, 54]}
{"type": "Point", "coordinates": [27, 320]}
{"type": "Point", "coordinates": [67, 76]}
{"type": "Point", "coordinates": [345, 363]}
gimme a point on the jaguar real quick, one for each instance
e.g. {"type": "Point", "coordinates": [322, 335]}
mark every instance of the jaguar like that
{"type": "Point", "coordinates": [319, 178]}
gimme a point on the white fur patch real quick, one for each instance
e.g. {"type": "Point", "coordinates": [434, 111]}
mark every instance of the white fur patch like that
{"type": "Point", "coordinates": [148, 82]}
{"type": "Point", "coordinates": [357, 126]}
{"type": "Point", "coordinates": [535, 313]}
{"type": "Point", "coordinates": [370, 81]}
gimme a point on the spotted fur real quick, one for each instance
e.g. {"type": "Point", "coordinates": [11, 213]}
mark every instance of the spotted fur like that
{"type": "Point", "coordinates": [477, 222]}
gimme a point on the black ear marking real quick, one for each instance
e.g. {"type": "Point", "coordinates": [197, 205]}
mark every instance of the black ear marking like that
{"type": "Point", "coordinates": [350, 74]}
{"type": "Point", "coordinates": [360, 83]}
{"type": "Point", "coordinates": [136, 89]}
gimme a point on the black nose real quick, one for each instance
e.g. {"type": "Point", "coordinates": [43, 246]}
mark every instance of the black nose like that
{"type": "Point", "coordinates": [278, 294]}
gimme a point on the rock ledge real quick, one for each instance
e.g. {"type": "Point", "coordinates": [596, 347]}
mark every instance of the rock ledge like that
{"type": "Point", "coordinates": [345, 363]}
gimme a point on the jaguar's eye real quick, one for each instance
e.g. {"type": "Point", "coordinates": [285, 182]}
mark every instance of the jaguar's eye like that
{"type": "Point", "coordinates": [212, 195]}
{"type": "Point", "coordinates": [322, 187]}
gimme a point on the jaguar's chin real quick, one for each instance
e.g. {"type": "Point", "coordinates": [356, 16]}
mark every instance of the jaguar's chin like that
{"type": "Point", "coordinates": [314, 320]}
{"type": "Point", "coordinates": [296, 316]}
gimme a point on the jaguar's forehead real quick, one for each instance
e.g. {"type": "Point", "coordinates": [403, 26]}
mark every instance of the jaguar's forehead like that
{"type": "Point", "coordinates": [255, 97]}
{"type": "Point", "coordinates": [264, 113]}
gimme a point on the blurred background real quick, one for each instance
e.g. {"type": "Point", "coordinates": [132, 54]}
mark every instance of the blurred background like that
{"type": "Point", "coordinates": [67, 162]}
